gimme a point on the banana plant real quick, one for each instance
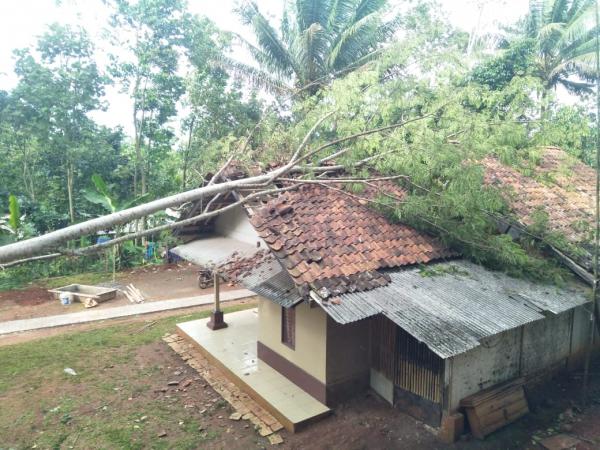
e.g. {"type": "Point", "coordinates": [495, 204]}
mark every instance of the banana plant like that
{"type": "Point", "coordinates": [102, 196]}
{"type": "Point", "coordinates": [10, 225]}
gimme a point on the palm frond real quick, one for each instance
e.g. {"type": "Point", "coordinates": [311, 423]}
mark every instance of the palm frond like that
{"type": "Point", "coordinates": [255, 77]}
{"type": "Point", "coordinates": [339, 54]}
{"type": "Point", "coordinates": [576, 87]}
{"type": "Point", "coordinates": [559, 10]}
{"type": "Point", "coordinates": [535, 17]}
{"type": "Point", "coordinates": [311, 50]}
{"type": "Point", "coordinates": [279, 59]}
{"type": "Point", "coordinates": [580, 20]}
{"type": "Point", "coordinates": [367, 7]}
{"type": "Point", "coordinates": [312, 11]}
{"type": "Point", "coordinates": [340, 14]}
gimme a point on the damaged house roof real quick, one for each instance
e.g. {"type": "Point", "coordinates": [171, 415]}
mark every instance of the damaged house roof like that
{"type": "Point", "coordinates": [325, 243]}
{"type": "Point", "coordinates": [561, 186]}
{"type": "Point", "coordinates": [332, 242]}
{"type": "Point", "coordinates": [451, 307]}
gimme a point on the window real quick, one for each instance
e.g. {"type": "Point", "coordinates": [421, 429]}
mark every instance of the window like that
{"type": "Point", "coordinates": [288, 327]}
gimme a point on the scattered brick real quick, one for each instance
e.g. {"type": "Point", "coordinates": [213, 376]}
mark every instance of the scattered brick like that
{"type": "Point", "coordinates": [241, 402]}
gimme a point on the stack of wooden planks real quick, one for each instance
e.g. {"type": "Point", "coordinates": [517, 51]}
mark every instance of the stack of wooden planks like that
{"type": "Point", "coordinates": [495, 407]}
{"type": "Point", "coordinates": [133, 294]}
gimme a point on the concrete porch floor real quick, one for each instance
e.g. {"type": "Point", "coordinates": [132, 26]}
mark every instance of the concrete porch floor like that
{"type": "Point", "coordinates": [234, 349]}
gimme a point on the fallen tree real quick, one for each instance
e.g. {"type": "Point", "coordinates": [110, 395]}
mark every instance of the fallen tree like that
{"type": "Point", "coordinates": [33, 249]}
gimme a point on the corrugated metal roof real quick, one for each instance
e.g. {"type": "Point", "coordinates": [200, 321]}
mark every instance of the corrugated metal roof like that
{"type": "Point", "coordinates": [213, 250]}
{"type": "Point", "coordinates": [270, 280]}
{"type": "Point", "coordinates": [453, 310]}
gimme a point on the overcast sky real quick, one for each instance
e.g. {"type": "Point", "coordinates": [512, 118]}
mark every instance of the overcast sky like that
{"type": "Point", "coordinates": [21, 21]}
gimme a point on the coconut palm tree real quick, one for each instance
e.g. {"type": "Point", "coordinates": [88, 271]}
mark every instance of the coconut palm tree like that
{"type": "Point", "coordinates": [565, 32]}
{"type": "Point", "coordinates": [316, 41]}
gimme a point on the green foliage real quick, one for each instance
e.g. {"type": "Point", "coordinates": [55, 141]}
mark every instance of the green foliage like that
{"type": "Point", "coordinates": [454, 126]}
{"type": "Point", "coordinates": [100, 196]}
{"type": "Point", "coordinates": [315, 41]}
{"type": "Point", "coordinates": [40, 272]}
{"type": "Point", "coordinates": [14, 219]}
{"type": "Point", "coordinates": [572, 129]}
{"type": "Point", "coordinates": [514, 61]}
{"type": "Point", "coordinates": [456, 115]}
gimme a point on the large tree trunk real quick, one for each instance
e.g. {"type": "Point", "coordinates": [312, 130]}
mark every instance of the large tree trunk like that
{"type": "Point", "coordinates": [39, 244]}
{"type": "Point", "coordinates": [138, 130]}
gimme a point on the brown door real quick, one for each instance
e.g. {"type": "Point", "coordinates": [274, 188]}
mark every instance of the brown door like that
{"type": "Point", "coordinates": [406, 361]}
{"type": "Point", "coordinates": [383, 346]}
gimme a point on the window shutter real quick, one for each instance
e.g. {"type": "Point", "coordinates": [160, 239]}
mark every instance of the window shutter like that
{"type": "Point", "coordinates": [288, 327]}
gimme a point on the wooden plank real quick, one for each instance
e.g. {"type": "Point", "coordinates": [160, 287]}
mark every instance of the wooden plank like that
{"type": "Point", "coordinates": [495, 407]}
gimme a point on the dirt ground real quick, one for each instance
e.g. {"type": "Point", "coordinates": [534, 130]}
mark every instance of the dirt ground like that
{"type": "Point", "coordinates": [135, 407]}
{"type": "Point", "coordinates": [132, 391]}
{"type": "Point", "coordinates": [156, 283]}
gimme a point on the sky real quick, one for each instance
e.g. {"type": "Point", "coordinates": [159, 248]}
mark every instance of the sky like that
{"type": "Point", "coordinates": [22, 21]}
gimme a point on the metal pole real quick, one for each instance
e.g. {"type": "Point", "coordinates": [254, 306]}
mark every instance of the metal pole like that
{"type": "Point", "coordinates": [586, 372]}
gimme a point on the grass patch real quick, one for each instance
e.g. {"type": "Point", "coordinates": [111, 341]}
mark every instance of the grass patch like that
{"type": "Point", "coordinates": [8, 283]}
{"type": "Point", "coordinates": [102, 405]}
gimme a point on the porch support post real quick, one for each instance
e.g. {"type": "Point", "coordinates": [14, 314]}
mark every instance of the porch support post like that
{"type": "Point", "coordinates": [216, 318]}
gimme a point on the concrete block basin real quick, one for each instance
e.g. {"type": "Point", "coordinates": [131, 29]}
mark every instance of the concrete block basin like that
{"type": "Point", "coordinates": [88, 295]}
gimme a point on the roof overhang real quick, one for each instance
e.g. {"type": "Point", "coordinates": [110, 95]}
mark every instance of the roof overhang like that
{"type": "Point", "coordinates": [213, 251]}
{"type": "Point", "coordinates": [270, 280]}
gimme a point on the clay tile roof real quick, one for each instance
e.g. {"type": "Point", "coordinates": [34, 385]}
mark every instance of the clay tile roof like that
{"type": "Point", "coordinates": [561, 186]}
{"type": "Point", "coordinates": [331, 242]}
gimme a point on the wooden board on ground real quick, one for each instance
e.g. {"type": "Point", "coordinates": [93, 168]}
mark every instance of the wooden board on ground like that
{"type": "Point", "coordinates": [495, 407]}
{"type": "Point", "coordinates": [133, 294]}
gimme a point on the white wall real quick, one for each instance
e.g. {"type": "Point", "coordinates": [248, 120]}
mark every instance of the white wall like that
{"type": "Point", "coordinates": [546, 343]}
{"type": "Point", "coordinates": [496, 360]}
{"type": "Point", "coordinates": [311, 336]}
{"type": "Point", "coordinates": [235, 224]}
{"type": "Point", "coordinates": [525, 351]}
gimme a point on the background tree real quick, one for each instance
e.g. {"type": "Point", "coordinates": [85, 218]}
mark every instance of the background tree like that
{"type": "Point", "coordinates": [315, 41]}
{"type": "Point", "coordinates": [565, 33]}
{"type": "Point", "coordinates": [58, 86]}
{"type": "Point", "coordinates": [153, 33]}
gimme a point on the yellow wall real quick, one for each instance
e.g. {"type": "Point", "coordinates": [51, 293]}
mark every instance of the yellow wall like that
{"type": "Point", "coordinates": [311, 336]}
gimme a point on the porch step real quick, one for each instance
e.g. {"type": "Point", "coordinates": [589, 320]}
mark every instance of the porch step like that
{"type": "Point", "coordinates": [234, 350]}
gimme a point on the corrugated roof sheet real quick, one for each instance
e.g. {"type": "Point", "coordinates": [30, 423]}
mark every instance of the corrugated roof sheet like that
{"type": "Point", "coordinates": [270, 280]}
{"type": "Point", "coordinates": [452, 311]}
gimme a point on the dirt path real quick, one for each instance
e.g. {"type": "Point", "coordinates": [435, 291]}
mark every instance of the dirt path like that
{"type": "Point", "coordinates": [145, 320]}
{"type": "Point", "coordinates": [155, 282]}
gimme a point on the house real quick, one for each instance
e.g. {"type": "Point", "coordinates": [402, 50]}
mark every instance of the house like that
{"type": "Point", "coordinates": [350, 301]}
{"type": "Point", "coordinates": [560, 187]}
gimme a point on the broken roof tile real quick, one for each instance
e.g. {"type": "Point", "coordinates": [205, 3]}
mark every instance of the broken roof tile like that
{"type": "Point", "coordinates": [333, 243]}
{"type": "Point", "coordinates": [566, 193]}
